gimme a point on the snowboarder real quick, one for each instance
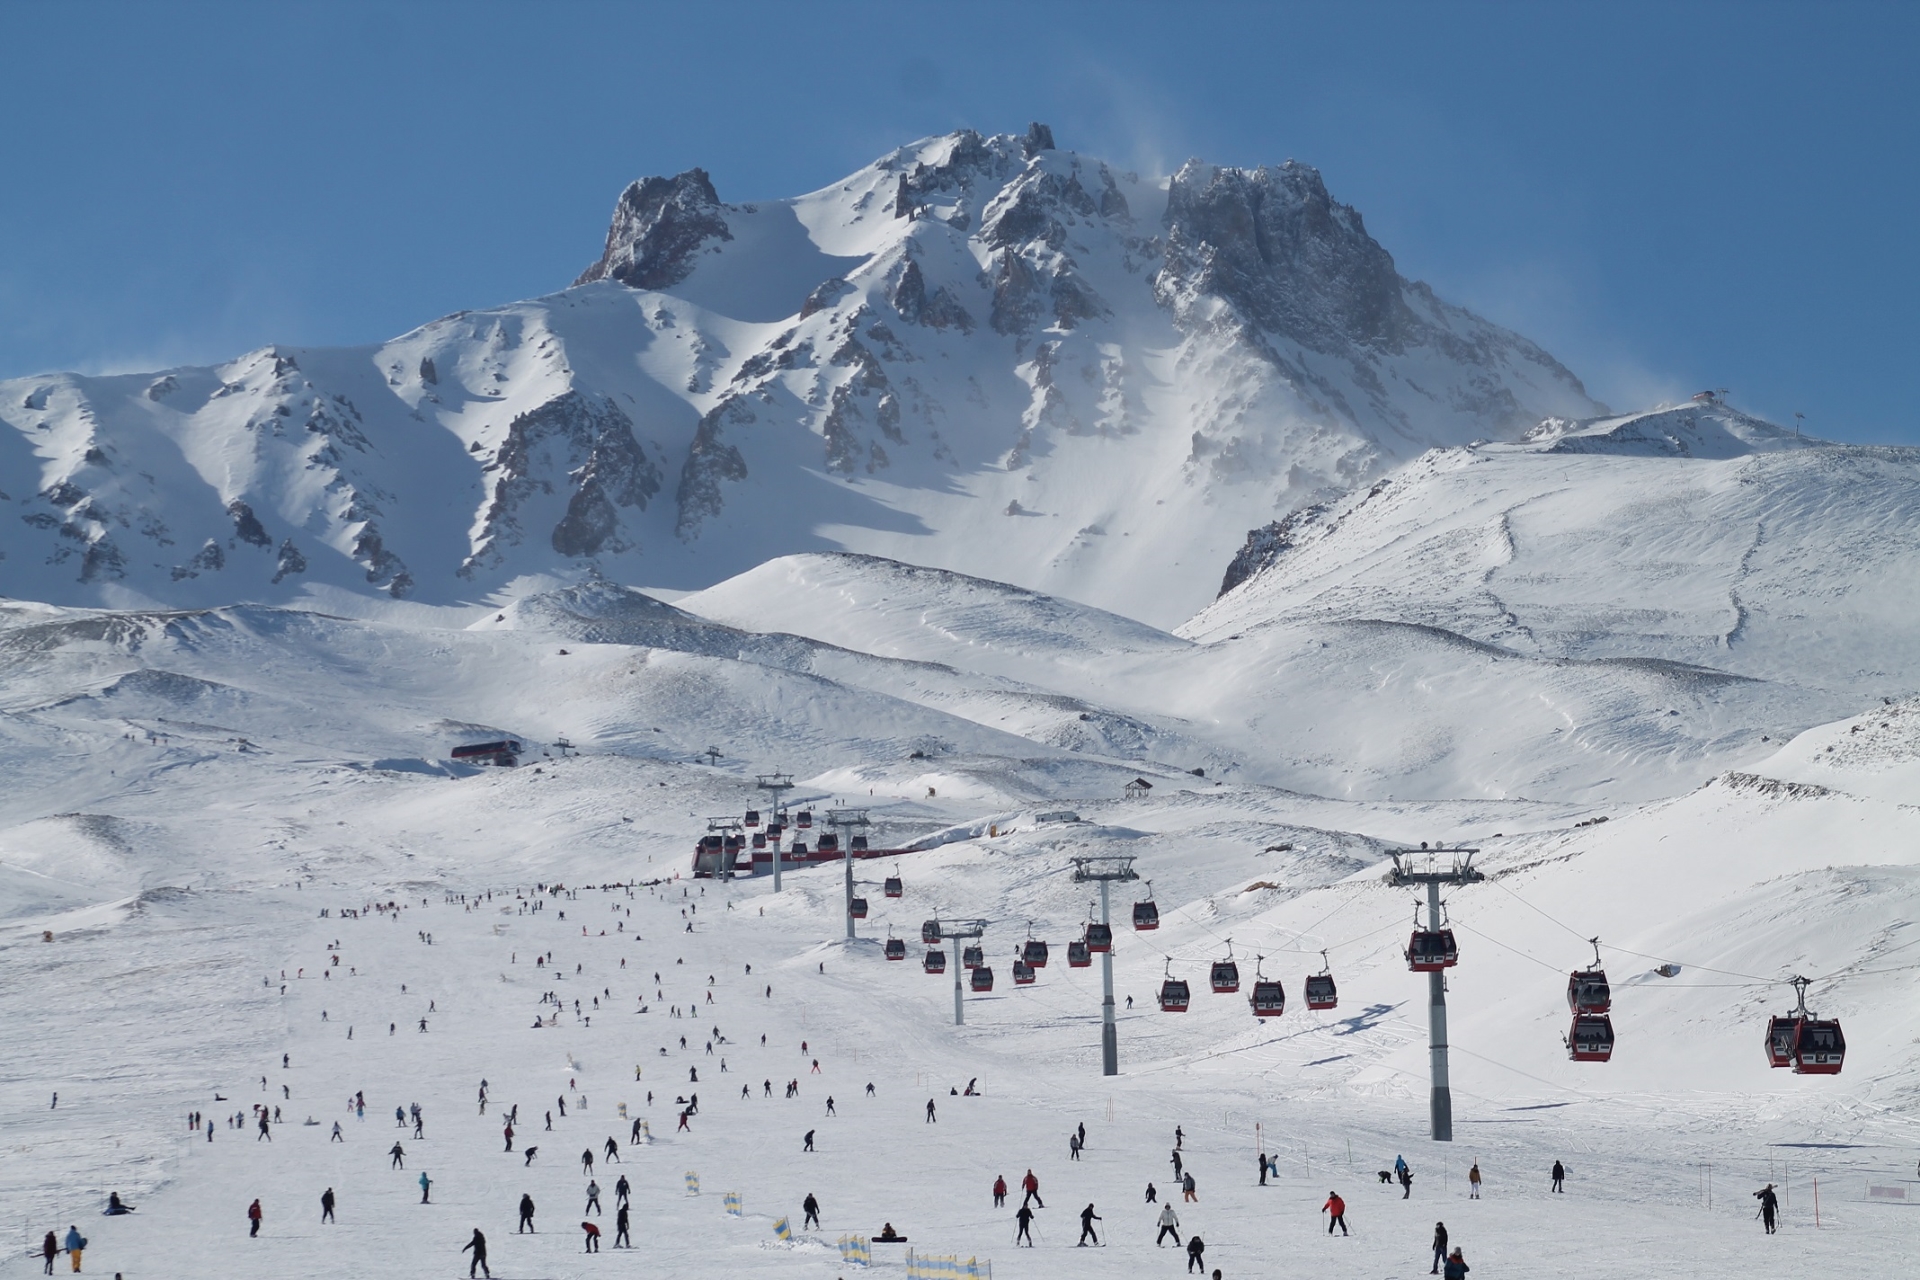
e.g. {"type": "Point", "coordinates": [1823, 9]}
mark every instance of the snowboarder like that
{"type": "Point", "coordinates": [426, 1186]}
{"type": "Point", "coordinates": [621, 1240]}
{"type": "Point", "coordinates": [326, 1205]}
{"type": "Point", "coordinates": [1031, 1185]}
{"type": "Point", "coordinates": [1337, 1208]}
{"type": "Point", "coordinates": [526, 1214]}
{"type": "Point", "coordinates": [1473, 1181]}
{"type": "Point", "coordinates": [399, 1157]}
{"type": "Point", "coordinates": [1769, 1205]}
{"type": "Point", "coordinates": [1025, 1218]}
{"type": "Point", "coordinates": [1559, 1176]}
{"type": "Point", "coordinates": [1087, 1218]}
{"type": "Point", "coordinates": [593, 1197]}
{"type": "Point", "coordinates": [811, 1208]}
{"type": "Point", "coordinates": [1000, 1192]}
{"type": "Point", "coordinates": [479, 1247]}
{"type": "Point", "coordinates": [253, 1218]}
{"type": "Point", "coordinates": [1196, 1251]}
{"type": "Point", "coordinates": [808, 1141]}
{"type": "Point", "coordinates": [1439, 1247]}
{"type": "Point", "coordinates": [593, 1237]}
{"type": "Point", "coordinates": [1169, 1226]}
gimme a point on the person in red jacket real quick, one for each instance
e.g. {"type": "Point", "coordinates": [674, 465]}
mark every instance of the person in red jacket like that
{"type": "Point", "coordinates": [253, 1217]}
{"type": "Point", "coordinates": [593, 1236]}
{"type": "Point", "coordinates": [1338, 1209]}
{"type": "Point", "coordinates": [1031, 1185]}
{"type": "Point", "coordinates": [999, 1192]}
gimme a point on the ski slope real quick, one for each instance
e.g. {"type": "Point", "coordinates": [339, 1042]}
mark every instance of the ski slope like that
{"type": "Point", "coordinates": [193, 789]}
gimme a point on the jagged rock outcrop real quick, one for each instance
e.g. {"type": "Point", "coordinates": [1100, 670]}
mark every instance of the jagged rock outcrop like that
{"type": "Point", "coordinates": [658, 226]}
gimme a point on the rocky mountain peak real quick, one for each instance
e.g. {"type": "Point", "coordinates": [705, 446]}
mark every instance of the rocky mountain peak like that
{"type": "Point", "coordinates": [658, 225]}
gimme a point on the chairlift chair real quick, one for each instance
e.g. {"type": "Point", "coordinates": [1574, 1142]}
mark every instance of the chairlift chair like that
{"type": "Point", "coordinates": [936, 961]}
{"type": "Point", "coordinates": [1224, 977]}
{"type": "Point", "coordinates": [1174, 995]}
{"type": "Point", "coordinates": [896, 949]}
{"type": "Point", "coordinates": [1320, 991]}
{"type": "Point", "coordinates": [894, 888]}
{"type": "Point", "coordinates": [1269, 999]}
{"type": "Point", "coordinates": [1587, 989]}
{"type": "Point", "coordinates": [982, 978]}
{"type": "Point", "coordinates": [1078, 957]}
{"type": "Point", "coordinates": [973, 957]}
{"type": "Point", "coordinates": [1146, 915]}
{"type": "Point", "coordinates": [1590, 1039]}
{"type": "Point", "coordinates": [1023, 974]}
{"type": "Point", "coordinates": [857, 908]}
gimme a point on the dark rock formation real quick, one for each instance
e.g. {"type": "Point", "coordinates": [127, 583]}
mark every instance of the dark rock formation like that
{"type": "Point", "coordinates": [658, 226]}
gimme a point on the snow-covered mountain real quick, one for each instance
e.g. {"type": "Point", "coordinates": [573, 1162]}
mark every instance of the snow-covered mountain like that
{"type": "Point", "coordinates": [981, 353]}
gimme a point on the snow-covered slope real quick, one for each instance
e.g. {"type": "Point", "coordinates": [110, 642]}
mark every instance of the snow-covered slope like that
{"type": "Point", "coordinates": [986, 354]}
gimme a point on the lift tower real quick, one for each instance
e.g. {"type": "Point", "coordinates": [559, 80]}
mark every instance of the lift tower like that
{"type": "Point", "coordinates": [777, 784]}
{"type": "Point", "coordinates": [1104, 871]}
{"type": "Point", "coordinates": [1404, 875]}
{"type": "Point", "coordinates": [843, 822]}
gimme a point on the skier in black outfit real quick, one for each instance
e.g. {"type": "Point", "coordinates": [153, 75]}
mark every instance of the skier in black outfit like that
{"type": "Point", "coordinates": [1439, 1247]}
{"type": "Point", "coordinates": [399, 1157]}
{"type": "Point", "coordinates": [526, 1215]}
{"type": "Point", "coordinates": [622, 1190]}
{"type": "Point", "coordinates": [50, 1249]}
{"type": "Point", "coordinates": [621, 1240]}
{"type": "Point", "coordinates": [479, 1246]}
{"type": "Point", "coordinates": [1559, 1176]}
{"type": "Point", "coordinates": [1769, 1205]}
{"type": "Point", "coordinates": [1087, 1218]}
{"type": "Point", "coordinates": [812, 1209]}
{"type": "Point", "coordinates": [1025, 1218]}
{"type": "Point", "coordinates": [1260, 1158]}
{"type": "Point", "coordinates": [326, 1205]}
{"type": "Point", "coordinates": [1196, 1247]}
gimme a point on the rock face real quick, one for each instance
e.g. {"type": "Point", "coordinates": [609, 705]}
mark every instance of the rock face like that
{"type": "Point", "coordinates": [1138, 369]}
{"type": "Point", "coordinates": [658, 225]}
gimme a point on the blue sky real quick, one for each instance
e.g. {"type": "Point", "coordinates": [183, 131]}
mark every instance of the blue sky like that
{"type": "Point", "coordinates": [1667, 197]}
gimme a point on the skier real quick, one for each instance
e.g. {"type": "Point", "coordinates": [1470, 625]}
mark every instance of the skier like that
{"type": "Point", "coordinates": [1196, 1251]}
{"type": "Point", "coordinates": [593, 1237]}
{"type": "Point", "coordinates": [1338, 1209]}
{"type": "Point", "coordinates": [1406, 1182]}
{"type": "Point", "coordinates": [811, 1208]}
{"type": "Point", "coordinates": [1082, 1131]}
{"type": "Point", "coordinates": [621, 1240]}
{"type": "Point", "coordinates": [593, 1197]}
{"type": "Point", "coordinates": [1000, 1192]}
{"type": "Point", "coordinates": [253, 1217]}
{"type": "Point", "coordinates": [809, 1141]}
{"type": "Point", "coordinates": [1457, 1267]}
{"type": "Point", "coordinates": [1177, 1166]}
{"type": "Point", "coordinates": [507, 1130]}
{"type": "Point", "coordinates": [531, 1153]}
{"type": "Point", "coordinates": [426, 1186]}
{"type": "Point", "coordinates": [930, 1119]}
{"type": "Point", "coordinates": [1179, 1137]}
{"type": "Point", "coordinates": [479, 1247]}
{"type": "Point", "coordinates": [1559, 1176]}
{"type": "Point", "coordinates": [830, 1110]}
{"type": "Point", "coordinates": [326, 1205]}
{"type": "Point", "coordinates": [1473, 1181]}
{"type": "Point", "coordinates": [1073, 1146]}
{"type": "Point", "coordinates": [622, 1190]}
{"type": "Point", "coordinates": [1439, 1247]}
{"type": "Point", "coordinates": [399, 1157]}
{"type": "Point", "coordinates": [263, 1127]}
{"type": "Point", "coordinates": [1152, 1195]}
{"type": "Point", "coordinates": [336, 1133]}
{"type": "Point", "coordinates": [586, 1161]}
{"type": "Point", "coordinates": [526, 1215]}
{"type": "Point", "coordinates": [1087, 1218]}
{"type": "Point", "coordinates": [1031, 1185]}
{"type": "Point", "coordinates": [1169, 1226]}
{"type": "Point", "coordinates": [1025, 1218]}
{"type": "Point", "coordinates": [1187, 1188]}
{"type": "Point", "coordinates": [1769, 1205]}
{"type": "Point", "coordinates": [613, 1150]}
